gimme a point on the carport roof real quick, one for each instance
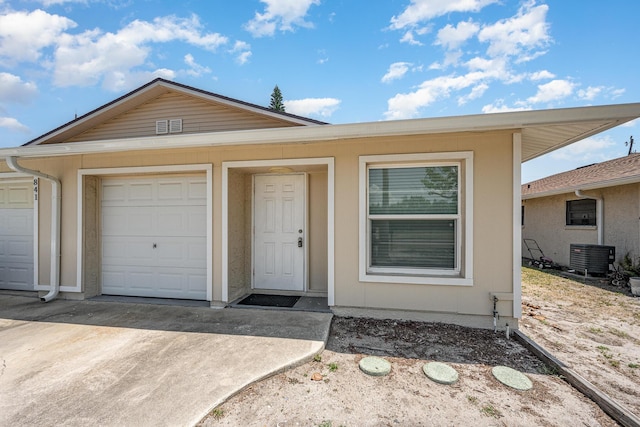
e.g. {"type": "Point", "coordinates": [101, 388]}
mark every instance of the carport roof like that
{"type": "Point", "coordinates": [542, 131]}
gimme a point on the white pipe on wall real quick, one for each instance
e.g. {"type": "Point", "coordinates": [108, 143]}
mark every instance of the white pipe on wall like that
{"type": "Point", "coordinates": [599, 214]}
{"type": "Point", "coordinates": [12, 162]}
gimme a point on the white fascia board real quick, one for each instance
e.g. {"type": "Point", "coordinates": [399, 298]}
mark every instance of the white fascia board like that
{"type": "Point", "coordinates": [309, 134]}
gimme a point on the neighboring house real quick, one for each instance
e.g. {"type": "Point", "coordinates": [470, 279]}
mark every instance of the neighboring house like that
{"type": "Point", "coordinates": [174, 192]}
{"type": "Point", "coordinates": [597, 204]}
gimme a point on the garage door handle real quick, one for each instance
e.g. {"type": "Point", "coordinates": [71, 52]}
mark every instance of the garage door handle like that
{"type": "Point", "coordinates": [155, 245]}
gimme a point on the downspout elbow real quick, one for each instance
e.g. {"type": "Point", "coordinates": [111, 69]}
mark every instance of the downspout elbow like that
{"type": "Point", "coordinates": [12, 162]}
{"type": "Point", "coordinates": [599, 214]}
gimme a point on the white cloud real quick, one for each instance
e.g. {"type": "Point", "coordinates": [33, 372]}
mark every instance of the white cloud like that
{"type": "Point", "coordinates": [495, 67]}
{"type": "Point", "coordinates": [552, 91]}
{"type": "Point", "coordinates": [617, 92]}
{"type": "Point", "coordinates": [243, 57]}
{"type": "Point", "coordinates": [323, 107]}
{"type": "Point", "coordinates": [520, 35]}
{"type": "Point", "coordinates": [630, 124]}
{"type": "Point", "coordinates": [590, 150]}
{"type": "Point", "coordinates": [87, 58]}
{"type": "Point", "coordinates": [541, 75]}
{"type": "Point", "coordinates": [323, 57]}
{"type": "Point", "coordinates": [476, 92]}
{"type": "Point", "coordinates": [500, 107]}
{"type": "Point", "coordinates": [125, 80]}
{"type": "Point", "coordinates": [23, 35]}
{"type": "Point", "coordinates": [408, 38]}
{"type": "Point", "coordinates": [590, 93]}
{"type": "Point", "coordinates": [408, 105]}
{"type": "Point", "coordinates": [47, 3]}
{"type": "Point", "coordinates": [13, 125]}
{"type": "Point", "coordinates": [14, 90]}
{"type": "Point", "coordinates": [396, 71]}
{"type": "Point", "coordinates": [242, 50]}
{"type": "Point", "coordinates": [452, 37]}
{"type": "Point", "coordinates": [425, 10]}
{"type": "Point", "coordinates": [195, 69]}
{"type": "Point", "coordinates": [282, 15]}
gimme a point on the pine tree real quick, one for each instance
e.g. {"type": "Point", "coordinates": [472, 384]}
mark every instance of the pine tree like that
{"type": "Point", "coordinates": [276, 100]}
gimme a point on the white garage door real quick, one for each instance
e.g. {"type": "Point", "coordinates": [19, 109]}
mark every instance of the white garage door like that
{"type": "Point", "coordinates": [154, 237]}
{"type": "Point", "coordinates": [16, 235]}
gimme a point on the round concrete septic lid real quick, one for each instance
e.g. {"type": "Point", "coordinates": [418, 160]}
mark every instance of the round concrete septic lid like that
{"type": "Point", "coordinates": [440, 373]}
{"type": "Point", "coordinates": [375, 366]}
{"type": "Point", "coordinates": [512, 378]}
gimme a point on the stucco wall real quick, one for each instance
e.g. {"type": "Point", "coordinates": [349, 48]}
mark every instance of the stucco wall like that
{"type": "Point", "coordinates": [544, 221]}
{"type": "Point", "coordinates": [492, 224]}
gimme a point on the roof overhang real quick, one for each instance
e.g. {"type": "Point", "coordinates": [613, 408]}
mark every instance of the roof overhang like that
{"type": "Point", "coordinates": [542, 131]}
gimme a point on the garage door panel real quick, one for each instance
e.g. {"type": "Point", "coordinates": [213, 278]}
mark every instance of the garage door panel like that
{"type": "Point", "coordinates": [183, 221]}
{"type": "Point", "coordinates": [113, 193]}
{"type": "Point", "coordinates": [140, 192]}
{"type": "Point", "coordinates": [173, 223]}
{"type": "Point", "coordinates": [122, 221]}
{"type": "Point", "coordinates": [163, 283]}
{"type": "Point", "coordinates": [197, 190]}
{"type": "Point", "coordinates": [19, 250]}
{"type": "Point", "coordinates": [147, 221]}
{"type": "Point", "coordinates": [16, 237]}
{"type": "Point", "coordinates": [140, 223]}
{"type": "Point", "coordinates": [170, 191]}
{"type": "Point", "coordinates": [16, 278]}
{"type": "Point", "coordinates": [141, 282]}
{"type": "Point", "coordinates": [122, 251]}
{"type": "Point", "coordinates": [154, 237]}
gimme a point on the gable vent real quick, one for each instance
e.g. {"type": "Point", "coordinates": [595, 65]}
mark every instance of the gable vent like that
{"type": "Point", "coordinates": [162, 127]}
{"type": "Point", "coordinates": [175, 126]}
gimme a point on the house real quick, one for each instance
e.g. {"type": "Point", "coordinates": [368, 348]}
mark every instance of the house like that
{"type": "Point", "coordinates": [174, 192]}
{"type": "Point", "coordinates": [597, 204]}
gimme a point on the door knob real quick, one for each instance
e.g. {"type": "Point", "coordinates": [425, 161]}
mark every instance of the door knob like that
{"type": "Point", "coordinates": [299, 242]}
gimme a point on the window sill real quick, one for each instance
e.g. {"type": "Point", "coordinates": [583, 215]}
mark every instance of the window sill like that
{"type": "Point", "coordinates": [580, 227]}
{"type": "Point", "coordinates": [417, 280]}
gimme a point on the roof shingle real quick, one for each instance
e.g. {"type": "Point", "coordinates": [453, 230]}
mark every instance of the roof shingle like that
{"type": "Point", "coordinates": [599, 175]}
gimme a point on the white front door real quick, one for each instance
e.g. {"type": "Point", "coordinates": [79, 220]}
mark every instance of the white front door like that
{"type": "Point", "coordinates": [16, 235]}
{"type": "Point", "coordinates": [279, 232]}
{"type": "Point", "coordinates": [154, 237]}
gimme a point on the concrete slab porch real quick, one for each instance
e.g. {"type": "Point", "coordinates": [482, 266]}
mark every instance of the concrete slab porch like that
{"type": "Point", "coordinates": [76, 363]}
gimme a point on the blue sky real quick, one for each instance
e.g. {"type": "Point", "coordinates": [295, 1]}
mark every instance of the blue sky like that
{"type": "Point", "coordinates": [340, 61]}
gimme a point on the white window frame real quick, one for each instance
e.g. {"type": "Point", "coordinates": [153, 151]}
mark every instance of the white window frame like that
{"type": "Point", "coordinates": [462, 274]}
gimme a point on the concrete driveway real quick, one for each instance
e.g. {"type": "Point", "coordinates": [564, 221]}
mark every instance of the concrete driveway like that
{"type": "Point", "coordinates": [78, 363]}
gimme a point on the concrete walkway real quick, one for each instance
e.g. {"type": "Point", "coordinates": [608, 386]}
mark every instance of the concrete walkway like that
{"type": "Point", "coordinates": [78, 363]}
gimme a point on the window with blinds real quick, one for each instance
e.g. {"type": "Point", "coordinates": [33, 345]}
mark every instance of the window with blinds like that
{"type": "Point", "coordinates": [581, 212]}
{"type": "Point", "coordinates": [413, 217]}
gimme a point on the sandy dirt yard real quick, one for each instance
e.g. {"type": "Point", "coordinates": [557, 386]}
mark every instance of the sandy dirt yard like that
{"type": "Point", "coordinates": [595, 331]}
{"type": "Point", "coordinates": [592, 327]}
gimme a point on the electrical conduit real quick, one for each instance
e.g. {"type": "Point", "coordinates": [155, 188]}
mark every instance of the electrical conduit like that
{"type": "Point", "coordinates": [12, 162]}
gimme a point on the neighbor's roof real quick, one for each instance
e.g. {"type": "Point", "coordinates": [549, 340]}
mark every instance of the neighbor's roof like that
{"type": "Point", "coordinates": [147, 92]}
{"type": "Point", "coordinates": [542, 131]}
{"type": "Point", "coordinates": [624, 170]}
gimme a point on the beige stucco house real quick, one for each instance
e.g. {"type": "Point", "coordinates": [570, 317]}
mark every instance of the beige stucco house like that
{"type": "Point", "coordinates": [175, 192]}
{"type": "Point", "coordinates": [597, 204]}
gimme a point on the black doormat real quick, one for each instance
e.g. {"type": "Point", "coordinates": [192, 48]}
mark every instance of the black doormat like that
{"type": "Point", "coordinates": [270, 300]}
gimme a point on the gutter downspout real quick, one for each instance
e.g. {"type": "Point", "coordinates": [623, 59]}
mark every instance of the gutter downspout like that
{"type": "Point", "coordinates": [12, 162]}
{"type": "Point", "coordinates": [599, 211]}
